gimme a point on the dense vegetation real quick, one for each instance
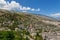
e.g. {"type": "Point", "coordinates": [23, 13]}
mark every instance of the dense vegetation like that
{"type": "Point", "coordinates": [17, 35]}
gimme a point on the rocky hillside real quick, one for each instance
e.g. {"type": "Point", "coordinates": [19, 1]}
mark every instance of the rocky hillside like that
{"type": "Point", "coordinates": [25, 26]}
{"type": "Point", "coordinates": [14, 20]}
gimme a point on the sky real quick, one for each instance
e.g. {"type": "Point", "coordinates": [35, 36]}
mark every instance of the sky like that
{"type": "Point", "coordinates": [44, 7]}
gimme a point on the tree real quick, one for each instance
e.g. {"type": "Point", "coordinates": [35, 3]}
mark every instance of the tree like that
{"type": "Point", "coordinates": [26, 38]}
{"type": "Point", "coordinates": [38, 37]}
{"type": "Point", "coordinates": [6, 35]}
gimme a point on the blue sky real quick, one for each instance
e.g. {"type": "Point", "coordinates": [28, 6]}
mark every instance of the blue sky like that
{"type": "Point", "coordinates": [45, 7]}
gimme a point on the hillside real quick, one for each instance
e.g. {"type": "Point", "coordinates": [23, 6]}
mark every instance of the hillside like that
{"type": "Point", "coordinates": [10, 20]}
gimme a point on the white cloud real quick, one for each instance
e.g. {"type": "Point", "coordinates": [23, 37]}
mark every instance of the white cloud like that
{"type": "Point", "coordinates": [25, 8]}
{"type": "Point", "coordinates": [38, 9]}
{"type": "Point", "coordinates": [24, 11]}
{"type": "Point", "coordinates": [55, 15]}
{"type": "Point", "coordinates": [2, 2]}
{"type": "Point", "coordinates": [35, 9]}
{"type": "Point", "coordinates": [13, 5]}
